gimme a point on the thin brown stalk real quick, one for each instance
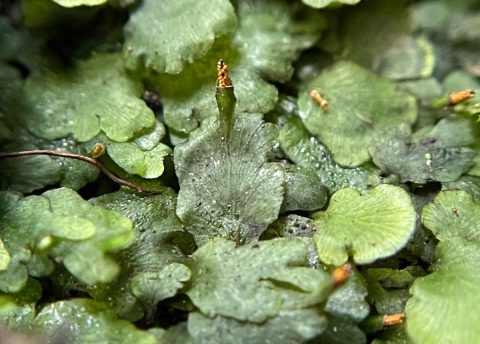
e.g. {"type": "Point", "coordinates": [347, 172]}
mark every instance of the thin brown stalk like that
{"type": "Point", "coordinates": [92, 161]}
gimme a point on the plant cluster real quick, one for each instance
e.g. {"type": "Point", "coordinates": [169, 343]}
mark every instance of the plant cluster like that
{"type": "Point", "coordinates": [325, 189]}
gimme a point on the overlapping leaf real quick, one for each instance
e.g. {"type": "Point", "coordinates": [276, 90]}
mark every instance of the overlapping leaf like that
{"type": "Point", "coordinates": [367, 227]}
{"type": "Point", "coordinates": [266, 43]}
{"type": "Point", "coordinates": [254, 282]}
{"type": "Point", "coordinates": [307, 151]}
{"type": "Point", "coordinates": [357, 110]}
{"type": "Point", "coordinates": [151, 268]}
{"type": "Point", "coordinates": [96, 95]}
{"type": "Point", "coordinates": [59, 225]}
{"type": "Point", "coordinates": [435, 157]}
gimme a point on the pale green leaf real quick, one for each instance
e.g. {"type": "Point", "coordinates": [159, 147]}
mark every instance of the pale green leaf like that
{"type": "Point", "coordinates": [453, 214]}
{"type": "Point", "coordinates": [367, 227]}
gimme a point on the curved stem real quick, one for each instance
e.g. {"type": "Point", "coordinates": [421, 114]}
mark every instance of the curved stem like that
{"type": "Point", "coordinates": [92, 161]}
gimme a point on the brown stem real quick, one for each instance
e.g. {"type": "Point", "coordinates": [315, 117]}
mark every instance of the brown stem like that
{"type": "Point", "coordinates": [92, 161]}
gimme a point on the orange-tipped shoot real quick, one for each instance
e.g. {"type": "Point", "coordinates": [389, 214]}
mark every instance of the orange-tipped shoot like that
{"type": "Point", "coordinates": [222, 70]}
{"type": "Point", "coordinates": [341, 274]}
{"type": "Point", "coordinates": [457, 97]}
{"type": "Point", "coordinates": [319, 99]}
{"type": "Point", "coordinates": [393, 319]}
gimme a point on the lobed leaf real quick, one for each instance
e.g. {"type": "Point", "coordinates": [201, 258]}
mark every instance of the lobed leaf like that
{"type": "Point", "coordinates": [367, 227]}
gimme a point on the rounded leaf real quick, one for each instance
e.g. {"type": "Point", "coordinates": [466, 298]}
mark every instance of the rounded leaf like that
{"type": "Point", "coordinates": [374, 225]}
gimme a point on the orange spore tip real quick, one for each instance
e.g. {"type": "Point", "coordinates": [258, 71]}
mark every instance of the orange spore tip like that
{"type": "Point", "coordinates": [457, 97]}
{"type": "Point", "coordinates": [393, 319]}
{"type": "Point", "coordinates": [341, 274]}
{"type": "Point", "coordinates": [223, 79]}
{"type": "Point", "coordinates": [319, 99]}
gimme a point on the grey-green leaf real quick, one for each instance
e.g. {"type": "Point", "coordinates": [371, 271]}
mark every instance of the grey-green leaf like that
{"type": "Point", "coordinates": [84, 321]}
{"type": "Point", "coordinates": [227, 187]}
{"type": "Point", "coordinates": [255, 282]}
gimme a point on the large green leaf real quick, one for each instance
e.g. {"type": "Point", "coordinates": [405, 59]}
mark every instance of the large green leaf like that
{"type": "Point", "coordinates": [96, 95]}
{"type": "Point", "coordinates": [255, 282]}
{"type": "Point", "coordinates": [444, 307]}
{"type": "Point", "coordinates": [150, 265]}
{"type": "Point", "coordinates": [289, 327]}
{"type": "Point", "coordinates": [84, 321]}
{"type": "Point", "coordinates": [453, 214]}
{"type": "Point", "coordinates": [357, 110]}
{"type": "Point", "coordinates": [164, 35]}
{"type": "Point", "coordinates": [367, 227]}
{"type": "Point", "coordinates": [227, 187]}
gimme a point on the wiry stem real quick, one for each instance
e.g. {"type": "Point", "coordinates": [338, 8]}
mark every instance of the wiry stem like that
{"type": "Point", "coordinates": [92, 161]}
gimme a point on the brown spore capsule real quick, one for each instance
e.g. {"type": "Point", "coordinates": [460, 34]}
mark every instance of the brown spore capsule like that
{"type": "Point", "coordinates": [460, 96]}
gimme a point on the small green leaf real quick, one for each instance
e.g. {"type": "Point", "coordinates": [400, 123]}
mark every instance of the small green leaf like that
{"type": "Point", "coordinates": [248, 190]}
{"type": "Point", "coordinates": [157, 35]}
{"type": "Point", "coordinates": [445, 306]}
{"type": "Point", "coordinates": [157, 286]}
{"type": "Point", "coordinates": [367, 227]}
{"type": "Point", "coordinates": [453, 214]}
{"type": "Point", "coordinates": [96, 95]}
{"type": "Point", "coordinates": [146, 163]}
{"type": "Point", "coordinates": [356, 111]}
{"type": "Point", "coordinates": [255, 282]}
{"type": "Point", "coordinates": [85, 321]}
{"type": "Point", "coordinates": [348, 302]}
{"type": "Point", "coordinates": [303, 189]}
{"type": "Point", "coordinates": [289, 327]}
{"type": "Point", "coordinates": [325, 3]}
